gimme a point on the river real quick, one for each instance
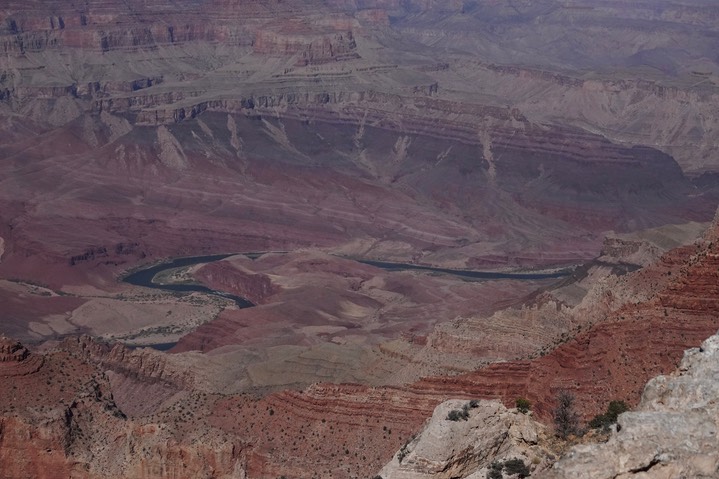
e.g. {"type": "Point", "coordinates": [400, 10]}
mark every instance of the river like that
{"type": "Point", "coordinates": [145, 277]}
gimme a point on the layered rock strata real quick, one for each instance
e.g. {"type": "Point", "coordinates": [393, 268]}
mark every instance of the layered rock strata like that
{"type": "Point", "coordinates": [610, 360]}
{"type": "Point", "coordinates": [16, 360]}
{"type": "Point", "coordinates": [352, 430]}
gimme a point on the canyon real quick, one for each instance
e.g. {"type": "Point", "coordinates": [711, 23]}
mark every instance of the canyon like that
{"type": "Point", "coordinates": [176, 415]}
{"type": "Point", "coordinates": [299, 138]}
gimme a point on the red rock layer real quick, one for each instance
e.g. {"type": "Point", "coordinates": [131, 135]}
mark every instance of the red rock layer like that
{"type": "Point", "coordinates": [61, 421]}
{"type": "Point", "coordinates": [224, 276]}
{"type": "Point", "coordinates": [111, 25]}
{"type": "Point", "coordinates": [28, 451]}
{"type": "Point", "coordinates": [16, 360]}
{"type": "Point", "coordinates": [615, 358]}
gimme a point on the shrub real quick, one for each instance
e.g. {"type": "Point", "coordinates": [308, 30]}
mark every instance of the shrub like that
{"type": "Point", "coordinates": [516, 466]}
{"type": "Point", "coordinates": [523, 405]}
{"type": "Point", "coordinates": [454, 415]}
{"type": "Point", "coordinates": [494, 474]}
{"type": "Point", "coordinates": [460, 414]}
{"type": "Point", "coordinates": [511, 467]}
{"type": "Point", "coordinates": [605, 420]}
{"type": "Point", "coordinates": [495, 470]}
{"type": "Point", "coordinates": [615, 408]}
{"type": "Point", "coordinates": [403, 452]}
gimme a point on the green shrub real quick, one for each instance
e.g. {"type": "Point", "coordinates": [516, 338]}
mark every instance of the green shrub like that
{"type": "Point", "coordinates": [460, 414]}
{"type": "Point", "coordinates": [615, 408]}
{"type": "Point", "coordinates": [511, 467]}
{"type": "Point", "coordinates": [495, 470]}
{"type": "Point", "coordinates": [494, 474]}
{"type": "Point", "coordinates": [516, 466]}
{"type": "Point", "coordinates": [523, 405]}
{"type": "Point", "coordinates": [605, 420]}
{"type": "Point", "coordinates": [456, 415]}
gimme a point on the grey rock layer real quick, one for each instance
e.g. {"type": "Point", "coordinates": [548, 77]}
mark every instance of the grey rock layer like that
{"type": "Point", "coordinates": [466, 448]}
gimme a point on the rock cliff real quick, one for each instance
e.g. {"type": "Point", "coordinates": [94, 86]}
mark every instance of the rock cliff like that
{"type": "Point", "coordinates": [60, 419]}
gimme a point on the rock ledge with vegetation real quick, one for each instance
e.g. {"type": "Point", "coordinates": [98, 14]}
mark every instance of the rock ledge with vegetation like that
{"type": "Point", "coordinates": [672, 433]}
{"type": "Point", "coordinates": [465, 438]}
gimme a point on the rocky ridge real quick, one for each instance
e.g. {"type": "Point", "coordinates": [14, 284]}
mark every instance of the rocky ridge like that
{"type": "Point", "coordinates": [629, 270]}
{"type": "Point", "coordinates": [671, 433]}
{"type": "Point", "coordinates": [16, 360]}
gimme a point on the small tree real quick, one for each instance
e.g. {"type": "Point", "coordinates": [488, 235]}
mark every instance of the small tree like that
{"type": "Point", "coordinates": [523, 405]}
{"type": "Point", "coordinates": [566, 420]}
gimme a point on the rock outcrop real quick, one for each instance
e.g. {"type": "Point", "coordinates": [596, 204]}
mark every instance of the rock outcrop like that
{"type": "Point", "coordinates": [671, 433]}
{"type": "Point", "coordinates": [222, 276]}
{"type": "Point", "coordinates": [62, 421]}
{"type": "Point", "coordinates": [16, 360]}
{"type": "Point", "coordinates": [483, 432]}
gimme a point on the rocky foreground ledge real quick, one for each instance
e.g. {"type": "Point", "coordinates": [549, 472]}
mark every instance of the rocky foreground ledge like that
{"type": "Point", "coordinates": [672, 433]}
